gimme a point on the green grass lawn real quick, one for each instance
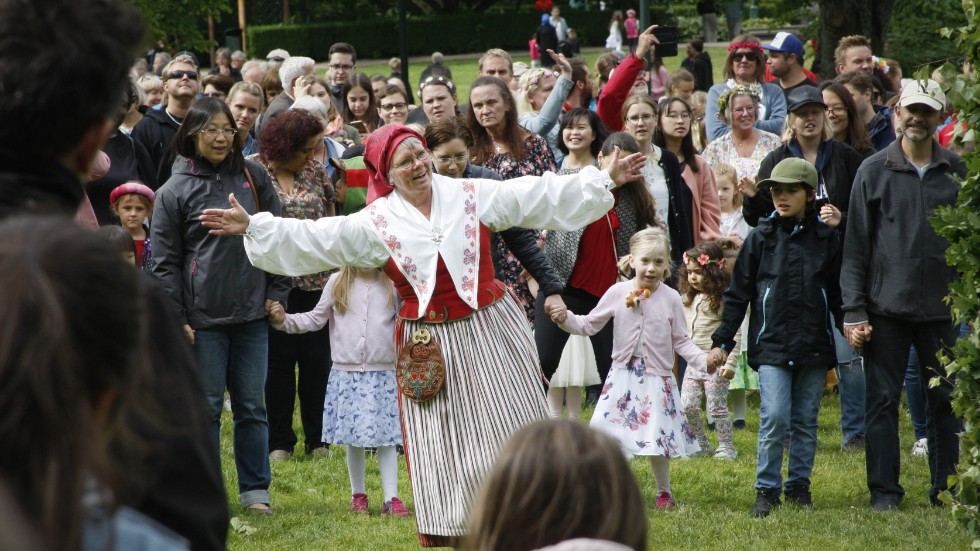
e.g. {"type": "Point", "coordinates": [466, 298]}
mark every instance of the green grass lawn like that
{"type": "Point", "coordinates": [311, 498]}
{"type": "Point", "coordinates": [466, 71]}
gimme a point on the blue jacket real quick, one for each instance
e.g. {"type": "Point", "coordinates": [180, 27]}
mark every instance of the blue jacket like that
{"type": "Point", "coordinates": [880, 129]}
{"type": "Point", "coordinates": [788, 270]}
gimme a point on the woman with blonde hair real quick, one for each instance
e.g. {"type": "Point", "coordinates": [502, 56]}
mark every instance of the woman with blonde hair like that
{"type": "Point", "coordinates": [541, 99]}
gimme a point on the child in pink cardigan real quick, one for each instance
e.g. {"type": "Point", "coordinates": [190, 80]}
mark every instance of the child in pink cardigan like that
{"type": "Point", "coordinates": [640, 405]}
{"type": "Point", "coordinates": [361, 405]}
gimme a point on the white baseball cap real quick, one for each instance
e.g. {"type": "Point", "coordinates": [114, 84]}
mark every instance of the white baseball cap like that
{"type": "Point", "coordinates": [926, 92]}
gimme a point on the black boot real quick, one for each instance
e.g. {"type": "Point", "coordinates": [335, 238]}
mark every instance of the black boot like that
{"type": "Point", "coordinates": [765, 502]}
{"type": "Point", "coordinates": [799, 495]}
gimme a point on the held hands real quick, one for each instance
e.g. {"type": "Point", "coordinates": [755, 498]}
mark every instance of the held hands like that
{"type": "Point", "coordinates": [233, 221]}
{"type": "Point", "coordinates": [627, 169]}
{"type": "Point", "coordinates": [645, 41]}
{"type": "Point", "coordinates": [564, 67]}
{"type": "Point", "coordinates": [830, 215]}
{"type": "Point", "coordinates": [716, 358]}
{"type": "Point", "coordinates": [858, 334]}
{"type": "Point", "coordinates": [555, 307]}
{"type": "Point", "coordinates": [276, 313]}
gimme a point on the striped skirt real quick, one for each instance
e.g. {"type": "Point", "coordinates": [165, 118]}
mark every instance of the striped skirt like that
{"type": "Point", "coordinates": [493, 388]}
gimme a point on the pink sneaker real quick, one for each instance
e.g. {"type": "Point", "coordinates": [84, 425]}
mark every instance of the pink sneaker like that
{"type": "Point", "coordinates": [359, 503]}
{"type": "Point", "coordinates": [395, 508]}
{"type": "Point", "coordinates": [665, 501]}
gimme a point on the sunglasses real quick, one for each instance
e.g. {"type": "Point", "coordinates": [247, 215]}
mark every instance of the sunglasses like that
{"type": "Point", "coordinates": [276, 59]}
{"type": "Point", "coordinates": [745, 56]}
{"type": "Point", "coordinates": [181, 74]}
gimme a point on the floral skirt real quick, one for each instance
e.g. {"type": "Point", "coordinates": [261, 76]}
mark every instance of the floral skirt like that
{"type": "Point", "coordinates": [361, 409]}
{"type": "Point", "coordinates": [643, 412]}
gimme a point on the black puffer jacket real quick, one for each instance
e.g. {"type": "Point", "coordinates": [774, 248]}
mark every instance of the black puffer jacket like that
{"type": "Point", "coordinates": [788, 269]}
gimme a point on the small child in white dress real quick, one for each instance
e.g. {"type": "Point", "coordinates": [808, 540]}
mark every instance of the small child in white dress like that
{"type": "Point", "coordinates": [640, 405]}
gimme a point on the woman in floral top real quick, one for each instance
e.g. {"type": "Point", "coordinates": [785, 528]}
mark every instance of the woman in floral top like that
{"type": "Point", "coordinates": [286, 146]}
{"type": "Point", "coordinates": [502, 146]}
{"type": "Point", "coordinates": [745, 146]}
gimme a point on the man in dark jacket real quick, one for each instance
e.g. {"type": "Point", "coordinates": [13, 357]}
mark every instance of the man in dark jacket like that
{"type": "Point", "coordinates": [59, 110]}
{"type": "Point", "coordinates": [155, 133]}
{"type": "Point", "coordinates": [698, 62]}
{"type": "Point", "coordinates": [894, 279]}
{"type": "Point", "coordinates": [547, 40]}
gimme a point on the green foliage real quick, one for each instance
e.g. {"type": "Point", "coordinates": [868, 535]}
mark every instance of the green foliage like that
{"type": "Point", "coordinates": [960, 224]}
{"type": "Point", "coordinates": [911, 38]}
{"type": "Point", "coordinates": [449, 34]}
{"type": "Point", "coordinates": [177, 23]}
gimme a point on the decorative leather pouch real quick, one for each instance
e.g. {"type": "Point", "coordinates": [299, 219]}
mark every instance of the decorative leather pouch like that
{"type": "Point", "coordinates": [420, 371]}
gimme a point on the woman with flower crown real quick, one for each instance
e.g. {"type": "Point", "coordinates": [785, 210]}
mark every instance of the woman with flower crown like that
{"type": "Point", "coordinates": [746, 66]}
{"type": "Point", "coordinates": [744, 146]}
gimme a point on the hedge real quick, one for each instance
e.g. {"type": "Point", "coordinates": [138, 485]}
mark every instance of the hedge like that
{"type": "Point", "coordinates": [449, 34]}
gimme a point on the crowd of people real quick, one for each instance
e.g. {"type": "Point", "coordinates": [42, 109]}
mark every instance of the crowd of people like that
{"type": "Point", "coordinates": [438, 280]}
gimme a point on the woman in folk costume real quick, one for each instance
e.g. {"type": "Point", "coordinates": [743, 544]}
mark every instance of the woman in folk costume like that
{"type": "Point", "coordinates": [467, 369]}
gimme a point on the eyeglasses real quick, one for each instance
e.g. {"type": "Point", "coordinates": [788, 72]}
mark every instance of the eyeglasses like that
{"type": "Point", "coordinates": [276, 58]}
{"type": "Point", "coordinates": [213, 132]}
{"type": "Point", "coordinates": [459, 159]}
{"type": "Point", "coordinates": [394, 107]}
{"type": "Point", "coordinates": [685, 116]}
{"type": "Point", "coordinates": [423, 157]}
{"type": "Point", "coordinates": [178, 74]}
{"type": "Point", "coordinates": [744, 110]}
{"type": "Point", "coordinates": [745, 56]}
{"type": "Point", "coordinates": [837, 110]}
{"type": "Point", "coordinates": [340, 67]}
{"type": "Point", "coordinates": [637, 118]}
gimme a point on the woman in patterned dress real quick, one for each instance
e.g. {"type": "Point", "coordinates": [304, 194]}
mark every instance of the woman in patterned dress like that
{"type": "Point", "coordinates": [438, 256]}
{"type": "Point", "coordinates": [503, 146]}
{"type": "Point", "coordinates": [287, 145]}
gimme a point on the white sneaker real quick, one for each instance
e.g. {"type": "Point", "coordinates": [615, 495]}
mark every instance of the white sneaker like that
{"type": "Point", "coordinates": [726, 453]}
{"type": "Point", "coordinates": [921, 447]}
{"type": "Point", "coordinates": [279, 455]}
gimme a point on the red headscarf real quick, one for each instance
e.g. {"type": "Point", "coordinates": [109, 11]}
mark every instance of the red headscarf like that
{"type": "Point", "coordinates": [381, 145]}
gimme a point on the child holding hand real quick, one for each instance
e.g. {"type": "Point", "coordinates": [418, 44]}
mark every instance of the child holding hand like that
{"type": "Point", "coordinates": [702, 280]}
{"type": "Point", "coordinates": [788, 270]}
{"type": "Point", "coordinates": [361, 406]}
{"type": "Point", "coordinates": [640, 404]}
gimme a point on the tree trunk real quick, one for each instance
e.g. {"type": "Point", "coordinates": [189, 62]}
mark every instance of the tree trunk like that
{"type": "Point", "coordinates": [840, 18]}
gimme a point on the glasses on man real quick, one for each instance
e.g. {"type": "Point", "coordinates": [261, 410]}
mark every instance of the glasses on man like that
{"type": "Point", "coordinates": [637, 118]}
{"type": "Point", "coordinates": [340, 67]}
{"type": "Point", "coordinates": [682, 116]}
{"type": "Point", "coordinates": [423, 157]}
{"type": "Point", "coordinates": [178, 74]}
{"type": "Point", "coordinates": [459, 159]}
{"type": "Point", "coordinates": [214, 132]}
{"type": "Point", "coordinates": [389, 107]}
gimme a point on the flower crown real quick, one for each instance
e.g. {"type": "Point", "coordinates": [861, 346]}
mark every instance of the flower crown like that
{"type": "Point", "coordinates": [740, 89]}
{"type": "Point", "coordinates": [704, 260]}
{"type": "Point", "coordinates": [754, 45]}
{"type": "Point", "coordinates": [533, 81]}
{"type": "Point", "coordinates": [437, 80]}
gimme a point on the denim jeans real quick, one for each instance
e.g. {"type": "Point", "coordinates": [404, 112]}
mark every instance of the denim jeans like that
{"type": "Point", "coordinates": [914, 397]}
{"type": "Point", "coordinates": [850, 379]}
{"type": "Point", "coordinates": [236, 356]}
{"type": "Point", "coordinates": [885, 358]}
{"type": "Point", "coordinates": [790, 402]}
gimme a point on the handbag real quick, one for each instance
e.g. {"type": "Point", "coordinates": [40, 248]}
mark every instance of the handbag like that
{"type": "Point", "coordinates": [420, 371]}
{"type": "Point", "coordinates": [251, 186]}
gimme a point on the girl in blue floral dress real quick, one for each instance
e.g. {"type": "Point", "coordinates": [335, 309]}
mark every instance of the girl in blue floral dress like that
{"type": "Point", "coordinates": [640, 405]}
{"type": "Point", "coordinates": [361, 405]}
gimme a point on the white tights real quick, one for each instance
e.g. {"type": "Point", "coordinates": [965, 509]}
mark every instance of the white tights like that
{"type": "Point", "coordinates": [572, 396]}
{"type": "Point", "coordinates": [387, 463]}
{"type": "Point", "coordinates": [661, 472]}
